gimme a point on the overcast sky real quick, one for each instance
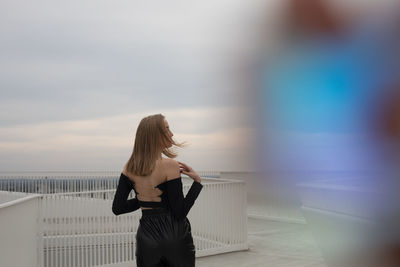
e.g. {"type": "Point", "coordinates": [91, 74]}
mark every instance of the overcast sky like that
{"type": "Point", "coordinates": [77, 77]}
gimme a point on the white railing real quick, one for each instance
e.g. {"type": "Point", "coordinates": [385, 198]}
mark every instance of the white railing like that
{"type": "Point", "coordinates": [7, 197]}
{"type": "Point", "coordinates": [59, 182]}
{"type": "Point", "coordinates": [219, 217]}
{"type": "Point", "coordinates": [79, 229]}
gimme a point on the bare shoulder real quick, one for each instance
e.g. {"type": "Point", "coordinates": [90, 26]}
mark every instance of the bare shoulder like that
{"type": "Point", "coordinates": [171, 168]}
{"type": "Point", "coordinates": [125, 170]}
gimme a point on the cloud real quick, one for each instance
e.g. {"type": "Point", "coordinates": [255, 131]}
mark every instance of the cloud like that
{"type": "Point", "coordinates": [80, 60]}
{"type": "Point", "coordinates": [108, 141]}
{"type": "Point", "coordinates": [76, 77]}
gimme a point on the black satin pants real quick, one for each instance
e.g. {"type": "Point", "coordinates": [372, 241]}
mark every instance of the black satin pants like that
{"type": "Point", "coordinates": [162, 240]}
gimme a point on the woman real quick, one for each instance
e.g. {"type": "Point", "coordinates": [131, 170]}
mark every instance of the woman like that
{"type": "Point", "coordinates": [164, 235]}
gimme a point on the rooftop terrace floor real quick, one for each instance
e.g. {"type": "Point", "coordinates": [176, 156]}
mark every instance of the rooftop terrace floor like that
{"type": "Point", "coordinates": [272, 243]}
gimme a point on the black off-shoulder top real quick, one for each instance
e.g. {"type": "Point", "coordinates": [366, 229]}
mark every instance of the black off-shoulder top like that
{"type": "Point", "coordinates": [171, 198]}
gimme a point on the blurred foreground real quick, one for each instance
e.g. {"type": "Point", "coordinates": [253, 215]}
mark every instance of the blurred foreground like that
{"type": "Point", "coordinates": [328, 95]}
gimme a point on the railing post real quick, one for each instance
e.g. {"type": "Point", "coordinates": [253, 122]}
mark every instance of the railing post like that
{"type": "Point", "coordinates": [39, 236]}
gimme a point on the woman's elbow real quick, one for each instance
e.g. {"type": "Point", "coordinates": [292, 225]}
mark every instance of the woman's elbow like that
{"type": "Point", "coordinates": [116, 210]}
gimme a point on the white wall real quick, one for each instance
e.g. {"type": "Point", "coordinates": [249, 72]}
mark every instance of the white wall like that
{"type": "Point", "coordinates": [18, 232]}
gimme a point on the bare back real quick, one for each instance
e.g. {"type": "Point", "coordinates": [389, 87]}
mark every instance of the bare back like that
{"type": "Point", "coordinates": [146, 186]}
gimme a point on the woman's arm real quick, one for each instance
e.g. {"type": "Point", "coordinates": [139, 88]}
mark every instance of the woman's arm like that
{"type": "Point", "coordinates": [121, 204]}
{"type": "Point", "coordinates": [179, 204]}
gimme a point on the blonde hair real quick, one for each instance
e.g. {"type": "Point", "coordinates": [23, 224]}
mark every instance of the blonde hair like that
{"type": "Point", "coordinates": [151, 138]}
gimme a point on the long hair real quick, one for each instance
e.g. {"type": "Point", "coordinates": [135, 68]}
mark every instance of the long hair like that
{"type": "Point", "coordinates": [151, 138]}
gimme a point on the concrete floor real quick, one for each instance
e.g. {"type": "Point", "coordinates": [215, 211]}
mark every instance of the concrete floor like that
{"type": "Point", "coordinates": [271, 243]}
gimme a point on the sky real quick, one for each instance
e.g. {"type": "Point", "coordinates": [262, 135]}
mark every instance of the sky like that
{"type": "Point", "coordinates": [77, 77]}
